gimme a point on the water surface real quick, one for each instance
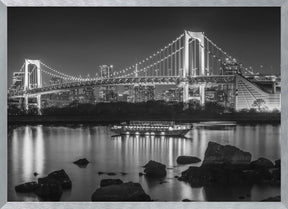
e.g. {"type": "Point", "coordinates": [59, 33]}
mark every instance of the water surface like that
{"type": "Point", "coordinates": [44, 148]}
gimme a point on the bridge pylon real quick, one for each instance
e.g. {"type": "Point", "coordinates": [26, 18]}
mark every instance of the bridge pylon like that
{"type": "Point", "coordinates": [28, 83]}
{"type": "Point", "coordinates": [188, 59]}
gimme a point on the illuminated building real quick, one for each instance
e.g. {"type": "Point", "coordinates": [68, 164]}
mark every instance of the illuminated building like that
{"type": "Point", "coordinates": [55, 81]}
{"type": "Point", "coordinates": [173, 95]}
{"type": "Point", "coordinates": [106, 71]}
{"type": "Point", "coordinates": [231, 67]}
{"type": "Point", "coordinates": [129, 92]}
{"type": "Point", "coordinates": [108, 94]}
{"type": "Point", "coordinates": [144, 93]}
{"type": "Point", "coordinates": [17, 82]}
{"type": "Point", "coordinates": [210, 95]}
{"type": "Point", "coordinates": [88, 93]}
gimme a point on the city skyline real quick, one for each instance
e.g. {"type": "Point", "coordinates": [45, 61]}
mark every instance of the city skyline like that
{"type": "Point", "coordinates": [93, 37]}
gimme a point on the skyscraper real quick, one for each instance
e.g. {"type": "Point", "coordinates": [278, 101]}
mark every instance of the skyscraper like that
{"type": "Point", "coordinates": [231, 67]}
{"type": "Point", "coordinates": [106, 71]}
{"type": "Point", "coordinates": [144, 93]}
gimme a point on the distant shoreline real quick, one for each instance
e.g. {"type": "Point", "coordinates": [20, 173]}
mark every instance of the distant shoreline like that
{"type": "Point", "coordinates": [76, 119]}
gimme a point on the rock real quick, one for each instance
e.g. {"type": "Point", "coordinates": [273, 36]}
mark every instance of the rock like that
{"type": "Point", "coordinates": [261, 163]}
{"type": "Point", "coordinates": [176, 177]}
{"type": "Point", "coordinates": [155, 169]}
{"type": "Point", "coordinates": [141, 174]}
{"type": "Point", "coordinates": [26, 187]}
{"type": "Point", "coordinates": [276, 176]}
{"type": "Point", "coordinates": [162, 182]}
{"type": "Point", "coordinates": [228, 165]}
{"type": "Point", "coordinates": [50, 190]}
{"type": "Point", "coordinates": [219, 154]}
{"type": "Point", "coordinates": [100, 173]}
{"type": "Point", "coordinates": [250, 176]}
{"type": "Point", "coordinates": [241, 197]}
{"type": "Point", "coordinates": [123, 192]}
{"type": "Point", "coordinates": [277, 163]}
{"type": "Point", "coordinates": [35, 174]}
{"type": "Point", "coordinates": [195, 176]}
{"type": "Point", "coordinates": [218, 175]}
{"type": "Point", "coordinates": [123, 173]}
{"type": "Point", "coordinates": [108, 182]}
{"type": "Point", "coordinates": [81, 162]}
{"type": "Point", "coordinates": [272, 199]}
{"type": "Point", "coordinates": [187, 160]}
{"type": "Point", "coordinates": [276, 173]}
{"type": "Point", "coordinates": [264, 176]}
{"type": "Point", "coordinates": [111, 174]}
{"type": "Point", "coordinates": [60, 176]}
{"type": "Point", "coordinates": [186, 200]}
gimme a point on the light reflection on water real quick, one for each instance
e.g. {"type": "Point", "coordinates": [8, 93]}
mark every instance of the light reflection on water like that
{"type": "Point", "coordinates": [43, 149]}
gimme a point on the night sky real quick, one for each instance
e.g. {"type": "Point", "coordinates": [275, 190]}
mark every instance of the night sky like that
{"type": "Point", "coordinates": [78, 40]}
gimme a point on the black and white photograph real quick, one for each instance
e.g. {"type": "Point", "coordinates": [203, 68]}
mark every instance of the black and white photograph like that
{"type": "Point", "coordinates": [162, 104]}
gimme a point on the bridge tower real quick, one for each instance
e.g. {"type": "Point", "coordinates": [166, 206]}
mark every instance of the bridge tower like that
{"type": "Point", "coordinates": [187, 58]}
{"type": "Point", "coordinates": [28, 83]}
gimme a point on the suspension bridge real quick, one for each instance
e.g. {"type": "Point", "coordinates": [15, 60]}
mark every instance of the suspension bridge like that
{"type": "Point", "coordinates": [192, 59]}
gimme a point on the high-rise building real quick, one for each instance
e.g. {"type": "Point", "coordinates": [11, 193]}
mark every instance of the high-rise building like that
{"type": "Point", "coordinates": [144, 93]}
{"type": "Point", "coordinates": [108, 94]}
{"type": "Point", "coordinates": [82, 95]}
{"type": "Point", "coordinates": [88, 93]}
{"type": "Point", "coordinates": [18, 81]}
{"type": "Point", "coordinates": [55, 81]}
{"type": "Point", "coordinates": [106, 71]}
{"type": "Point", "coordinates": [173, 95]}
{"type": "Point", "coordinates": [231, 67]}
{"type": "Point", "coordinates": [210, 95]}
{"type": "Point", "coordinates": [129, 91]}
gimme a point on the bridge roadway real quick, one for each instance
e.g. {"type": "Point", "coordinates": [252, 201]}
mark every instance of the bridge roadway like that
{"type": "Point", "coordinates": [156, 80]}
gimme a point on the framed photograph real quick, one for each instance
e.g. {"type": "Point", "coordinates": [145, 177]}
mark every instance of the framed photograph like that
{"type": "Point", "coordinates": [163, 104]}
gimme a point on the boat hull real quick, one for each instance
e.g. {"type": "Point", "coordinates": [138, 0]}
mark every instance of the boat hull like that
{"type": "Point", "coordinates": [152, 133]}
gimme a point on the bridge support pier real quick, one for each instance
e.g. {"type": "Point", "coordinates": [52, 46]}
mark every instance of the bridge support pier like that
{"type": "Point", "coordinates": [185, 87]}
{"type": "Point", "coordinates": [202, 94]}
{"type": "Point", "coordinates": [274, 88]}
{"type": "Point", "coordinates": [26, 102]}
{"type": "Point", "coordinates": [186, 96]}
{"type": "Point", "coordinates": [38, 97]}
{"type": "Point", "coordinates": [38, 103]}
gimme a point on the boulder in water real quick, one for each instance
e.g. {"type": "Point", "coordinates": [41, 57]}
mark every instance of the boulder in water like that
{"type": "Point", "coordinates": [272, 199]}
{"type": "Point", "coordinates": [187, 160]}
{"type": "Point", "coordinates": [219, 154]}
{"type": "Point", "coordinates": [228, 165]}
{"type": "Point", "coordinates": [26, 187]}
{"type": "Point", "coordinates": [81, 162]}
{"type": "Point", "coordinates": [155, 169]}
{"type": "Point", "coordinates": [277, 163]}
{"type": "Point", "coordinates": [61, 176]}
{"type": "Point", "coordinates": [123, 192]}
{"type": "Point", "coordinates": [262, 163]}
{"type": "Point", "coordinates": [111, 174]}
{"type": "Point", "coordinates": [50, 190]}
{"type": "Point", "coordinates": [108, 182]}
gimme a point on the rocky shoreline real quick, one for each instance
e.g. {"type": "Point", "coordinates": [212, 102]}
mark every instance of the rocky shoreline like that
{"type": "Point", "coordinates": [221, 166]}
{"type": "Point", "coordinates": [228, 165]}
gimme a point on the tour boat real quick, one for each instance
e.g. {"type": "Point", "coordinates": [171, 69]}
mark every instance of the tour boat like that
{"type": "Point", "coordinates": [154, 128]}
